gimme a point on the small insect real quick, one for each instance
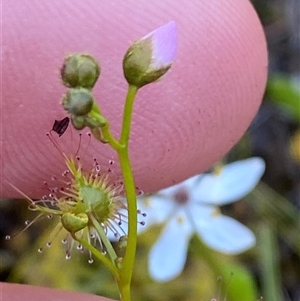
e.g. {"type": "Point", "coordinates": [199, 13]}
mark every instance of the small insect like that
{"type": "Point", "coordinates": [60, 126]}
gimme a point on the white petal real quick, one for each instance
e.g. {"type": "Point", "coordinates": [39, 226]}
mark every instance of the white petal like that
{"type": "Point", "coordinates": [164, 40]}
{"type": "Point", "coordinates": [188, 184]}
{"type": "Point", "coordinates": [201, 212]}
{"type": "Point", "coordinates": [225, 234]}
{"type": "Point", "coordinates": [157, 210]}
{"type": "Point", "coordinates": [235, 181]}
{"type": "Point", "coordinates": [168, 255]}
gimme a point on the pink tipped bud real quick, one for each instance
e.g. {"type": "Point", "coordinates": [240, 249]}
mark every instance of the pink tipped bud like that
{"type": "Point", "coordinates": [151, 57]}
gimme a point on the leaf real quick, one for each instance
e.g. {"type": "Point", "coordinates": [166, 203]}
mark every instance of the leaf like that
{"type": "Point", "coordinates": [282, 91]}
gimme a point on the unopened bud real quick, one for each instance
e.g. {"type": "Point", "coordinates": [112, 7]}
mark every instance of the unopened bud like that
{"type": "Point", "coordinates": [122, 243]}
{"type": "Point", "coordinates": [91, 120]}
{"type": "Point", "coordinates": [151, 57]}
{"type": "Point", "coordinates": [119, 262]}
{"type": "Point", "coordinates": [78, 102]}
{"type": "Point", "coordinates": [74, 223]}
{"type": "Point", "coordinates": [80, 70]}
{"type": "Point", "coordinates": [78, 122]}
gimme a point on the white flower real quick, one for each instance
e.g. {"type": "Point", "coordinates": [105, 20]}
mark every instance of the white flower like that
{"type": "Point", "coordinates": [191, 207]}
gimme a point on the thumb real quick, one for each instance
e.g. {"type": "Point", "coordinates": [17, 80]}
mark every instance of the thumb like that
{"type": "Point", "coordinates": [181, 125]}
{"type": "Point", "coordinates": [16, 292]}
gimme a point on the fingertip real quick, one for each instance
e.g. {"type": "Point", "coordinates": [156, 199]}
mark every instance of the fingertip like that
{"type": "Point", "coordinates": [181, 125]}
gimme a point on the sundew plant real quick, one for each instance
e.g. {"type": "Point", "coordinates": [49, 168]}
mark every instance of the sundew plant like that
{"type": "Point", "coordinates": [103, 216]}
{"type": "Point", "coordinates": [90, 205]}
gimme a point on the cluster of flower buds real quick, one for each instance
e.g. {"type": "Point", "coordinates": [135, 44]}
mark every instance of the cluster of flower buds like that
{"type": "Point", "coordinates": [80, 73]}
{"type": "Point", "coordinates": [146, 61]}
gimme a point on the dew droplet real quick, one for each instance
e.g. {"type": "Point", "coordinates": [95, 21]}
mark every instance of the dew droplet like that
{"type": "Point", "coordinates": [91, 260]}
{"type": "Point", "coordinates": [49, 216]}
{"type": "Point", "coordinates": [55, 189]}
{"type": "Point", "coordinates": [40, 250]}
{"type": "Point", "coordinates": [68, 255]}
{"type": "Point", "coordinates": [27, 222]}
{"type": "Point", "coordinates": [32, 207]}
{"type": "Point", "coordinates": [48, 244]}
{"type": "Point", "coordinates": [64, 241]}
{"type": "Point", "coordinates": [64, 174]}
{"type": "Point", "coordinates": [7, 237]}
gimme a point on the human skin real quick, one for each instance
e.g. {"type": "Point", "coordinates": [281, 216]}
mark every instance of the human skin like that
{"type": "Point", "coordinates": [18, 292]}
{"type": "Point", "coordinates": [181, 124]}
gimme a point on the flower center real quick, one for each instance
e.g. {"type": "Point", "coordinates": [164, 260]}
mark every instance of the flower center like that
{"type": "Point", "coordinates": [181, 196]}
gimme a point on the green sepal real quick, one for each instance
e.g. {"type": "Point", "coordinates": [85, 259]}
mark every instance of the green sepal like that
{"type": "Point", "coordinates": [74, 223]}
{"type": "Point", "coordinates": [78, 122]}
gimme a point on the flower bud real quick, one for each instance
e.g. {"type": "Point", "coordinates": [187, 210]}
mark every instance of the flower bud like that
{"type": "Point", "coordinates": [97, 133]}
{"type": "Point", "coordinates": [119, 262]}
{"type": "Point", "coordinates": [91, 120]}
{"type": "Point", "coordinates": [95, 121]}
{"type": "Point", "coordinates": [98, 200]}
{"type": "Point", "coordinates": [78, 122]}
{"type": "Point", "coordinates": [74, 223]}
{"type": "Point", "coordinates": [78, 102]}
{"type": "Point", "coordinates": [122, 243]}
{"type": "Point", "coordinates": [80, 70]}
{"type": "Point", "coordinates": [151, 57]}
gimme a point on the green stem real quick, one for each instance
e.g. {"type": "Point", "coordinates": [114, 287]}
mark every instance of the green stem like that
{"type": "Point", "coordinates": [269, 258]}
{"type": "Point", "coordinates": [110, 250]}
{"type": "Point", "coordinates": [128, 261]}
{"type": "Point", "coordinates": [99, 255]}
{"type": "Point", "coordinates": [110, 139]}
{"type": "Point", "coordinates": [131, 93]}
{"type": "Point", "coordinates": [121, 147]}
{"type": "Point", "coordinates": [124, 292]}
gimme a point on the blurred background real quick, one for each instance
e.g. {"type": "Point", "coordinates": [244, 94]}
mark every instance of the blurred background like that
{"type": "Point", "coordinates": [272, 210]}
